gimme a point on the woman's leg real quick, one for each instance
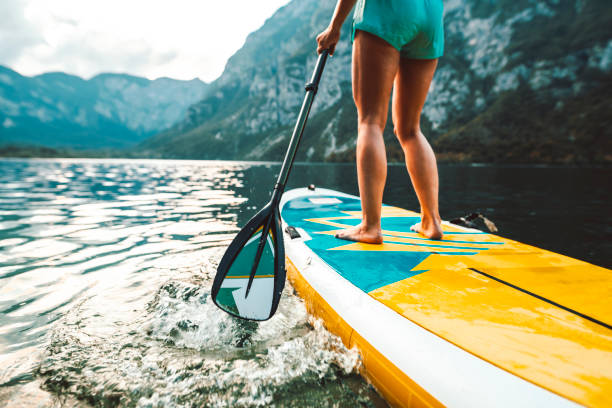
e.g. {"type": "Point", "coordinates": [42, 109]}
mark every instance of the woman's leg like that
{"type": "Point", "coordinates": [375, 64]}
{"type": "Point", "coordinates": [410, 91]}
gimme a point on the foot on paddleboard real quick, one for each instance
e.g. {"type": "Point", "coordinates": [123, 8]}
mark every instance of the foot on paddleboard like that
{"type": "Point", "coordinates": [361, 234]}
{"type": "Point", "coordinates": [431, 230]}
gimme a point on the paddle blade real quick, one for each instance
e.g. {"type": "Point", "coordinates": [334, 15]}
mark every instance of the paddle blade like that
{"type": "Point", "coordinates": [229, 290]}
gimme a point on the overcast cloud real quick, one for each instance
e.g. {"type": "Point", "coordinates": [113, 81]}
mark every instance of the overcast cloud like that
{"type": "Point", "coordinates": [179, 39]}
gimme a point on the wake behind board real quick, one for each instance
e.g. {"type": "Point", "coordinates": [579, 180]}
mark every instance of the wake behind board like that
{"type": "Point", "coordinates": [472, 320]}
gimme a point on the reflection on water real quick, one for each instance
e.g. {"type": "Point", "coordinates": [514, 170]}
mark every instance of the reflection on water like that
{"type": "Point", "coordinates": [106, 268]}
{"type": "Point", "coordinates": [105, 272]}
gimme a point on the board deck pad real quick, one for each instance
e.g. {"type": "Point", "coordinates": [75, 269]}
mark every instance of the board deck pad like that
{"type": "Point", "coordinates": [404, 249]}
{"type": "Point", "coordinates": [542, 316]}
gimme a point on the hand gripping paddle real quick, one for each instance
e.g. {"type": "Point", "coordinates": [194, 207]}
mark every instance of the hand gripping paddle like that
{"type": "Point", "coordinates": [251, 274]}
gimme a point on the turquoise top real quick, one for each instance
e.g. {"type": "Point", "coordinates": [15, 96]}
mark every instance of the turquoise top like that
{"type": "Point", "coordinates": [413, 27]}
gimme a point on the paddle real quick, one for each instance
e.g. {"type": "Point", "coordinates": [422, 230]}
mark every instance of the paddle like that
{"type": "Point", "coordinates": [251, 274]}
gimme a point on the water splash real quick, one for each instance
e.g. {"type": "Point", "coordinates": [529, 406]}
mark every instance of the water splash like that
{"type": "Point", "coordinates": [184, 352]}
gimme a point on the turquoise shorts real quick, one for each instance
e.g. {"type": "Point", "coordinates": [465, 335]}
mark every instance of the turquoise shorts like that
{"type": "Point", "coordinates": [413, 27]}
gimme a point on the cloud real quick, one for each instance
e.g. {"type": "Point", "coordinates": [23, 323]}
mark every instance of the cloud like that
{"type": "Point", "coordinates": [181, 39]}
{"type": "Point", "coordinates": [88, 54]}
{"type": "Point", "coordinates": [17, 34]}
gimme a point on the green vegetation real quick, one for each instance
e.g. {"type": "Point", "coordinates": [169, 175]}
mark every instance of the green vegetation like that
{"type": "Point", "coordinates": [34, 151]}
{"type": "Point", "coordinates": [522, 126]}
{"type": "Point", "coordinates": [31, 151]}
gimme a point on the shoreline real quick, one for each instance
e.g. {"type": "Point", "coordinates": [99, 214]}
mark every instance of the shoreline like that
{"type": "Point", "coordinates": [40, 152]}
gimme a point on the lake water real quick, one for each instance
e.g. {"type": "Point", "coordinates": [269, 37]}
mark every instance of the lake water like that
{"type": "Point", "coordinates": [106, 268]}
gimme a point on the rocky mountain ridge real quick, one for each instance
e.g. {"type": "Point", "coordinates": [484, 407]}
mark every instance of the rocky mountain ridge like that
{"type": "Point", "coordinates": [106, 111]}
{"type": "Point", "coordinates": [521, 81]}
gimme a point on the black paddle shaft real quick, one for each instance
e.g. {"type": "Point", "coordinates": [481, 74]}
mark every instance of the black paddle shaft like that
{"type": "Point", "coordinates": [279, 187]}
{"type": "Point", "coordinates": [267, 220]}
{"type": "Point", "coordinates": [311, 90]}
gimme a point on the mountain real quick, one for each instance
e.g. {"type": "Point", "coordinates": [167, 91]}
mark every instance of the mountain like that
{"type": "Point", "coordinates": [521, 81]}
{"type": "Point", "coordinates": [107, 111]}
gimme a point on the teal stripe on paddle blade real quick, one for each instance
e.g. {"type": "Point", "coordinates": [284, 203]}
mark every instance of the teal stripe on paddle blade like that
{"type": "Point", "coordinates": [231, 295]}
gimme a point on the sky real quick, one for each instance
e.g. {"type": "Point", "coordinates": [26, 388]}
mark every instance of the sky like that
{"type": "Point", "coordinates": [180, 39]}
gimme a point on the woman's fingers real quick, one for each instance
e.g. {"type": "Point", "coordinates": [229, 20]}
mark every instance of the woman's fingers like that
{"type": "Point", "coordinates": [322, 42]}
{"type": "Point", "coordinates": [319, 41]}
{"type": "Point", "coordinates": [327, 40]}
{"type": "Point", "coordinates": [331, 49]}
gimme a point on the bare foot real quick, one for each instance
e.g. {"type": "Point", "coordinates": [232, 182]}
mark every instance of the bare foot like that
{"type": "Point", "coordinates": [428, 228]}
{"type": "Point", "coordinates": [361, 234]}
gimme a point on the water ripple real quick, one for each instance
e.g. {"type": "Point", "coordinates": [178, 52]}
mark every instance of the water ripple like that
{"type": "Point", "coordinates": [105, 272]}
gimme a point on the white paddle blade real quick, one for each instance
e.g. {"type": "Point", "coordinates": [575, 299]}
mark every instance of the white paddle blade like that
{"type": "Point", "coordinates": [232, 296]}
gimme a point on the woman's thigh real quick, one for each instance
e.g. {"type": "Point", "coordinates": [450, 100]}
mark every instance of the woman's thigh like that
{"type": "Point", "coordinates": [409, 94]}
{"type": "Point", "coordinates": [375, 64]}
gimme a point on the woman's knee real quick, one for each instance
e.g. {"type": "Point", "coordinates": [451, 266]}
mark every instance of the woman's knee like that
{"type": "Point", "coordinates": [371, 120]}
{"type": "Point", "coordinates": [406, 133]}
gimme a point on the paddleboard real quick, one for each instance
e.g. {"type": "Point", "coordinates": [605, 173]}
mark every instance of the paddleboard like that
{"type": "Point", "coordinates": [473, 320]}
